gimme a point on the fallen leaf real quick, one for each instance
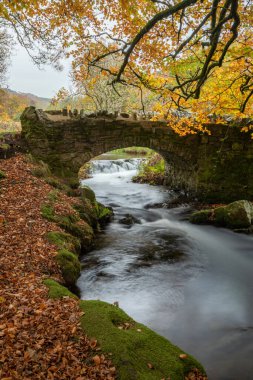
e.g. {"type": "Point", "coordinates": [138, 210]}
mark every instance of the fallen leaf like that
{"type": "Point", "coordinates": [183, 356]}
{"type": "Point", "coordinates": [96, 359]}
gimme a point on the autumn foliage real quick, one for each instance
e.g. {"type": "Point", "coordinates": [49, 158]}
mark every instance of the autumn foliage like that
{"type": "Point", "coordinates": [194, 55]}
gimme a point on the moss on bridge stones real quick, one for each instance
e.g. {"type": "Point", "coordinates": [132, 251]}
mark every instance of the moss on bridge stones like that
{"type": "Point", "coordinates": [215, 167]}
{"type": "Point", "coordinates": [226, 175]}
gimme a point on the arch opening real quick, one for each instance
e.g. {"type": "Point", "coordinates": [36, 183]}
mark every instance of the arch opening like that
{"type": "Point", "coordinates": [149, 165]}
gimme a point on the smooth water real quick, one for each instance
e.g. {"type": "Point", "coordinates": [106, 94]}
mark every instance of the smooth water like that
{"type": "Point", "coordinates": [192, 284]}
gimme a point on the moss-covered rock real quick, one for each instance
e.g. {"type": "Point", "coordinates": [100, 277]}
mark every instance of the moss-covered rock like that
{"type": "Point", "coordinates": [57, 290]}
{"type": "Point", "coordinates": [104, 214]}
{"type": "Point", "coordinates": [201, 217]}
{"type": "Point", "coordinates": [70, 266]}
{"type": "Point", "coordinates": [88, 193]}
{"type": "Point", "coordinates": [134, 347]}
{"type": "Point", "coordinates": [47, 212]}
{"type": "Point", "coordinates": [71, 223]}
{"type": "Point", "coordinates": [87, 213]}
{"type": "Point", "coordinates": [65, 241]}
{"type": "Point", "coordinates": [73, 183]}
{"type": "Point", "coordinates": [236, 215]}
{"type": "Point", "coordinates": [81, 230]}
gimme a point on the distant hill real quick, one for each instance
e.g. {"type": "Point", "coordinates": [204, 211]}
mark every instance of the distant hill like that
{"type": "Point", "coordinates": [30, 99]}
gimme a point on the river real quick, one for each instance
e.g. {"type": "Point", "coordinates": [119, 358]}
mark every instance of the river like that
{"type": "Point", "coordinates": [191, 284]}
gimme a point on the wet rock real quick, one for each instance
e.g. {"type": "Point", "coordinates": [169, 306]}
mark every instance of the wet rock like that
{"type": "Point", "coordinates": [154, 205]}
{"type": "Point", "coordinates": [129, 220]}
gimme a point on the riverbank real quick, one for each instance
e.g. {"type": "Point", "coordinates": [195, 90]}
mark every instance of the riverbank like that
{"type": "Point", "coordinates": [41, 337]}
{"type": "Point", "coordinates": [152, 171]}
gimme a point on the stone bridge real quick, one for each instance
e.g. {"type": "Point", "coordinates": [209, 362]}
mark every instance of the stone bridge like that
{"type": "Point", "coordinates": [216, 167]}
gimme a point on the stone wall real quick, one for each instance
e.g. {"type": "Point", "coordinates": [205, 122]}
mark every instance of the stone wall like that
{"type": "Point", "coordinates": [218, 167]}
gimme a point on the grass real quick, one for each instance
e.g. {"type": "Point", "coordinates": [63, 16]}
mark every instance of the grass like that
{"type": "Point", "coordinates": [56, 290]}
{"type": "Point", "coordinates": [135, 348]}
{"type": "Point", "coordinates": [57, 184]}
{"type": "Point", "coordinates": [41, 170]}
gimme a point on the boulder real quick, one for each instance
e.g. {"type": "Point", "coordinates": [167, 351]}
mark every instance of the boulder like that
{"type": "Point", "coordinates": [201, 217]}
{"type": "Point", "coordinates": [236, 215]}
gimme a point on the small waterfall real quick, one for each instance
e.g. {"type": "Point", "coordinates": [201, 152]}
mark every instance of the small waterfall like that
{"type": "Point", "coordinates": [112, 166]}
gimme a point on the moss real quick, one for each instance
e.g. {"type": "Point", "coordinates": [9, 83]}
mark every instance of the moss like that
{"type": "Point", "coordinates": [64, 241]}
{"type": "Point", "coordinates": [31, 159]}
{"type": "Point", "coordinates": [2, 175]}
{"type": "Point", "coordinates": [81, 230]}
{"type": "Point", "coordinates": [70, 266]}
{"type": "Point", "coordinates": [73, 183]}
{"type": "Point", "coordinates": [86, 214]}
{"type": "Point", "coordinates": [131, 349]}
{"type": "Point", "coordinates": [104, 214]}
{"type": "Point", "coordinates": [41, 170]}
{"type": "Point", "coordinates": [151, 171]}
{"type": "Point", "coordinates": [70, 223]}
{"type": "Point", "coordinates": [68, 219]}
{"type": "Point", "coordinates": [220, 216]}
{"type": "Point", "coordinates": [57, 184]}
{"type": "Point", "coordinates": [88, 193]}
{"type": "Point", "coordinates": [229, 178]}
{"type": "Point", "coordinates": [234, 215]}
{"type": "Point", "coordinates": [53, 196]}
{"type": "Point", "coordinates": [201, 217]}
{"type": "Point", "coordinates": [56, 290]}
{"type": "Point", "coordinates": [5, 146]}
{"type": "Point", "coordinates": [47, 212]}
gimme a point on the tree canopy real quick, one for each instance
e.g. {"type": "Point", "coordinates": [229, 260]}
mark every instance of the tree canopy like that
{"type": "Point", "coordinates": [192, 53]}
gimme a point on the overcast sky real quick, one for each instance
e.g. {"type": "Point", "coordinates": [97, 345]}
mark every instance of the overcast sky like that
{"type": "Point", "coordinates": [24, 76]}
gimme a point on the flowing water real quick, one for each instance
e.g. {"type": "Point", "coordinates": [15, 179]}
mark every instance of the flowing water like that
{"type": "Point", "coordinates": [191, 284]}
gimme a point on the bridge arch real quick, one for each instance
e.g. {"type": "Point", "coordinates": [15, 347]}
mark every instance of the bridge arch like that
{"type": "Point", "coordinates": [216, 167]}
